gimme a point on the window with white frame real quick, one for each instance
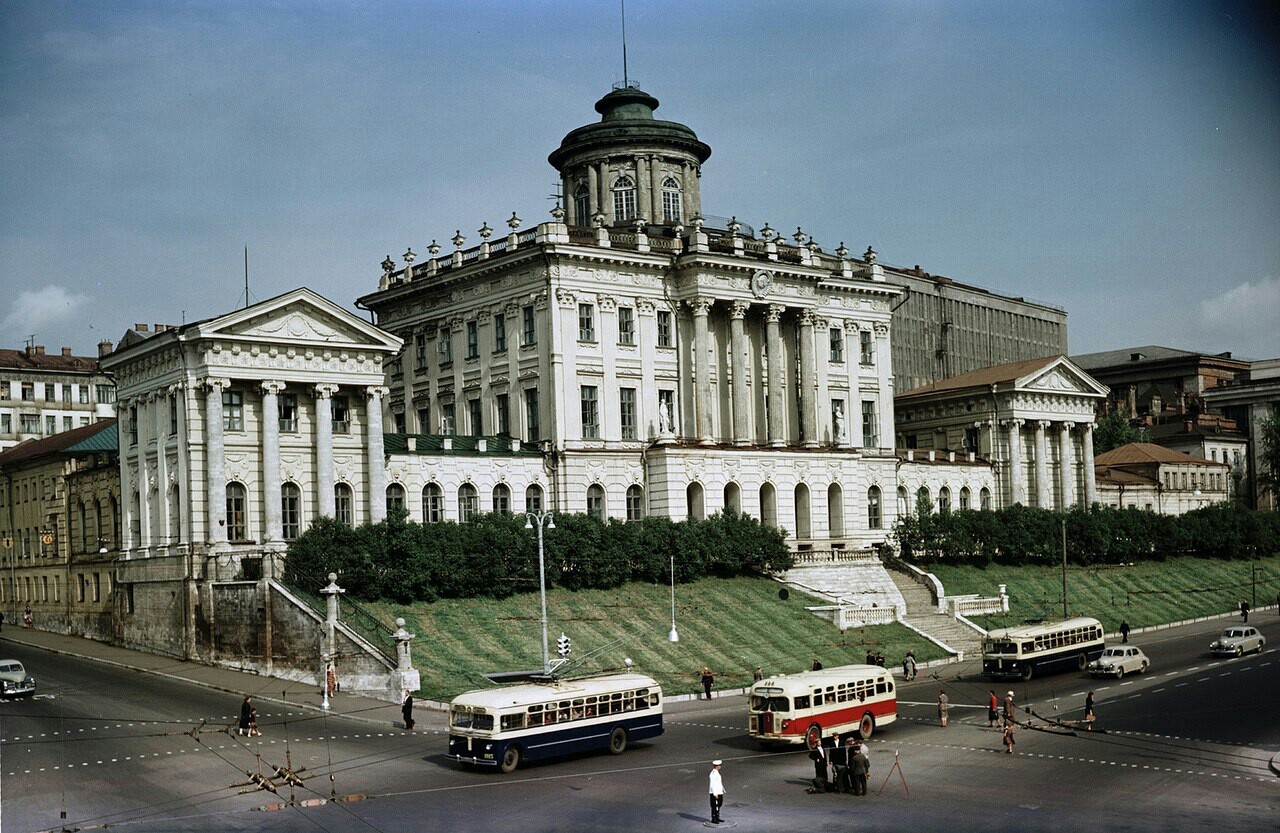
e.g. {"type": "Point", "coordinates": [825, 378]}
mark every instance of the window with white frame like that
{"type": "Point", "coordinates": [502, 499]}
{"type": "Point", "coordinates": [870, 438]}
{"type": "Point", "coordinates": [595, 501]}
{"type": "Point", "coordinates": [635, 503]}
{"type": "Point", "coordinates": [445, 346]}
{"type": "Point", "coordinates": [395, 498]}
{"type": "Point", "coordinates": [290, 511]}
{"type": "Point", "coordinates": [590, 412]}
{"type": "Point", "coordinates": [473, 340]}
{"type": "Point", "coordinates": [499, 333]}
{"type": "Point", "coordinates": [420, 351]}
{"type": "Point", "coordinates": [586, 322]}
{"type": "Point", "coordinates": [468, 503]}
{"type": "Point", "coordinates": [671, 200]}
{"type": "Point", "coordinates": [232, 410]}
{"type": "Point", "coordinates": [448, 419]}
{"type": "Point", "coordinates": [624, 199]}
{"type": "Point", "coordinates": [432, 503]}
{"type": "Point", "coordinates": [627, 412]}
{"type": "Point", "coordinates": [529, 327]}
{"type": "Point", "coordinates": [867, 350]}
{"type": "Point", "coordinates": [533, 498]}
{"type": "Point", "coordinates": [340, 413]}
{"type": "Point", "coordinates": [836, 335]}
{"type": "Point", "coordinates": [581, 206]}
{"type": "Point", "coordinates": [626, 325]}
{"type": "Point", "coordinates": [237, 525]}
{"type": "Point", "coordinates": [288, 404]}
{"type": "Point", "coordinates": [875, 517]}
{"type": "Point", "coordinates": [343, 505]}
{"type": "Point", "coordinates": [666, 331]}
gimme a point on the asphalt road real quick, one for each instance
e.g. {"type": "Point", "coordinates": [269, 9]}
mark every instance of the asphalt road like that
{"type": "Point", "coordinates": [1186, 746]}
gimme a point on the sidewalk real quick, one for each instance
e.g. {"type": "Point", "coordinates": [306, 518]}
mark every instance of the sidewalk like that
{"type": "Point", "coordinates": [274, 690]}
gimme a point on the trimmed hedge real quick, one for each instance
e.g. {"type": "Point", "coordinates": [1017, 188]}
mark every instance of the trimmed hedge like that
{"type": "Point", "coordinates": [495, 556]}
{"type": "Point", "coordinates": [1101, 535]}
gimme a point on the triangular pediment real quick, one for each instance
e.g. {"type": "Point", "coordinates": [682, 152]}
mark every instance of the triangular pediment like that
{"type": "Point", "coordinates": [300, 317]}
{"type": "Point", "coordinates": [1061, 376]}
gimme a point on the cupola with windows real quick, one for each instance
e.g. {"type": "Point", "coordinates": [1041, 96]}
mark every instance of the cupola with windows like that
{"type": "Point", "coordinates": [630, 166]}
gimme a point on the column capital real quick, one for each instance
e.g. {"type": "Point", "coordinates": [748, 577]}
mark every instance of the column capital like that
{"type": "Point", "coordinates": [1067, 425]}
{"type": "Point", "coordinates": [645, 307]}
{"type": "Point", "coordinates": [738, 309]}
{"type": "Point", "coordinates": [1012, 423]}
{"type": "Point", "coordinates": [700, 306]}
{"type": "Point", "coordinates": [511, 310]}
{"type": "Point", "coordinates": [324, 390]}
{"type": "Point", "coordinates": [210, 384]}
{"type": "Point", "coordinates": [774, 313]}
{"type": "Point", "coordinates": [565, 298]}
{"type": "Point", "coordinates": [852, 326]}
{"type": "Point", "coordinates": [807, 318]}
{"type": "Point", "coordinates": [607, 303]}
{"type": "Point", "coordinates": [376, 391]}
{"type": "Point", "coordinates": [1042, 424]}
{"type": "Point", "coordinates": [272, 386]}
{"type": "Point", "coordinates": [882, 328]}
{"type": "Point", "coordinates": [176, 387]}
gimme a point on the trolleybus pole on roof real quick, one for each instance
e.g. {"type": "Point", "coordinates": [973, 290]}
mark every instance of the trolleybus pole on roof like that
{"type": "Point", "coordinates": [542, 518]}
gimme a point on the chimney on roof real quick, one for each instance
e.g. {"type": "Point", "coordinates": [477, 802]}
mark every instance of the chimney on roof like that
{"type": "Point", "coordinates": [142, 328]}
{"type": "Point", "coordinates": [39, 349]}
{"type": "Point", "coordinates": [160, 328]}
{"type": "Point", "coordinates": [66, 351]}
{"type": "Point", "coordinates": [104, 348]}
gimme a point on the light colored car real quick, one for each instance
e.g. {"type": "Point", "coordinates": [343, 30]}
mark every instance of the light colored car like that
{"type": "Point", "coordinates": [1119, 660]}
{"type": "Point", "coordinates": [14, 679]}
{"type": "Point", "coordinates": [1237, 640]}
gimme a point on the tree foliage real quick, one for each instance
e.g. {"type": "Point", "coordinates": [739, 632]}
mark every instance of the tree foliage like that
{"type": "Point", "coordinates": [1113, 431]}
{"type": "Point", "coordinates": [1269, 470]}
{"type": "Point", "coordinates": [495, 556]}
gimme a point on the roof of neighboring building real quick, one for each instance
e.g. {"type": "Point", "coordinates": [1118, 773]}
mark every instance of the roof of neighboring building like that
{"type": "Point", "coordinates": [1174, 430]}
{"type": "Point", "coordinates": [31, 360]}
{"type": "Point", "coordinates": [1106, 476]}
{"type": "Point", "coordinates": [987, 376]}
{"type": "Point", "coordinates": [1141, 453]}
{"type": "Point", "coordinates": [105, 441]}
{"type": "Point", "coordinates": [1150, 353]}
{"type": "Point", "coordinates": [63, 443]}
{"type": "Point", "coordinates": [495, 446]}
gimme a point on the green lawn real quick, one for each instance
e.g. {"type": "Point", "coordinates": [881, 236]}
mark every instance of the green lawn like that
{"type": "Point", "coordinates": [730, 625]}
{"type": "Point", "coordinates": [1145, 594]}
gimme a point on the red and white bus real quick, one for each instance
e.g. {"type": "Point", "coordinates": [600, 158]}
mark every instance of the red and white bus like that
{"type": "Point", "coordinates": [802, 708]}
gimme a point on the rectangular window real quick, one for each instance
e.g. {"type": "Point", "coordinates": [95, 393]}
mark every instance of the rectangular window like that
{"type": "Point", "coordinates": [397, 366]}
{"type": "Point", "coordinates": [66, 394]}
{"type": "Point", "coordinates": [866, 350]}
{"type": "Point", "coordinates": [532, 428]}
{"type": "Point", "coordinates": [586, 322]}
{"type": "Point", "coordinates": [4, 389]}
{"type": "Point", "coordinates": [340, 414]}
{"type": "Point", "coordinates": [83, 389]}
{"type": "Point", "coordinates": [626, 325]}
{"type": "Point", "coordinates": [503, 402]}
{"type": "Point", "coordinates": [80, 586]}
{"type": "Point", "coordinates": [6, 424]}
{"type": "Point", "coordinates": [627, 412]}
{"type": "Point", "coordinates": [66, 423]}
{"type": "Point", "coordinates": [84, 420]}
{"type": "Point", "coordinates": [51, 425]}
{"type": "Point", "coordinates": [445, 347]}
{"type": "Point", "coordinates": [424, 420]}
{"type": "Point", "coordinates": [869, 436]}
{"type": "Point", "coordinates": [670, 205]}
{"type": "Point", "coordinates": [30, 423]}
{"type": "Point", "coordinates": [666, 336]}
{"type": "Point", "coordinates": [133, 425]}
{"type": "Point", "coordinates": [837, 345]}
{"type": "Point", "coordinates": [624, 203]}
{"type": "Point", "coordinates": [49, 392]}
{"type": "Point", "coordinates": [173, 415]}
{"type": "Point", "coordinates": [288, 403]}
{"type": "Point", "coordinates": [529, 334]}
{"type": "Point", "coordinates": [971, 440]}
{"type": "Point", "coordinates": [420, 351]}
{"type": "Point", "coordinates": [590, 412]}
{"type": "Point", "coordinates": [473, 340]}
{"type": "Point", "coordinates": [499, 333]}
{"type": "Point", "coordinates": [106, 394]}
{"type": "Point", "coordinates": [475, 421]}
{"type": "Point", "coordinates": [290, 512]}
{"type": "Point", "coordinates": [28, 392]}
{"type": "Point", "coordinates": [232, 410]}
{"type": "Point", "coordinates": [448, 417]}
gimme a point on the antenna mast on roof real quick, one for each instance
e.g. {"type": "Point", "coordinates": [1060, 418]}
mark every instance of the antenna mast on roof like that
{"type": "Point", "coordinates": [625, 82]}
{"type": "Point", "coordinates": [246, 276]}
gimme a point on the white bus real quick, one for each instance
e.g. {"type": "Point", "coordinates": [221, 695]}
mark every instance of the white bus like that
{"type": "Point", "coordinates": [503, 726]}
{"type": "Point", "coordinates": [1027, 650]}
{"type": "Point", "coordinates": [802, 708]}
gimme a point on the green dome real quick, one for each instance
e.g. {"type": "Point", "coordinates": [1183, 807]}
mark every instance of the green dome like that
{"type": "Point", "coordinates": [627, 122]}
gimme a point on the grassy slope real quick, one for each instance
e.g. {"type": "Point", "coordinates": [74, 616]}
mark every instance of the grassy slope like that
{"type": "Point", "coordinates": [730, 625]}
{"type": "Point", "coordinates": [1145, 594]}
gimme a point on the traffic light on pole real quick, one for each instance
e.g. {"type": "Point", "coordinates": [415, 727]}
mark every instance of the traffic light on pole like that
{"type": "Point", "coordinates": [563, 646]}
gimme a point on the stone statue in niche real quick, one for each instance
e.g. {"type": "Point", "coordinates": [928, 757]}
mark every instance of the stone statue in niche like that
{"type": "Point", "coordinates": [841, 436]}
{"type": "Point", "coordinates": [664, 417]}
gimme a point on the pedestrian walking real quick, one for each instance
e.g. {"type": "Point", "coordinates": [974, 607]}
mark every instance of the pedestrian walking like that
{"type": "Point", "coordinates": [406, 709]}
{"type": "Point", "coordinates": [1008, 738]}
{"type": "Point", "coordinates": [708, 680]}
{"type": "Point", "coordinates": [1244, 610]}
{"type": "Point", "coordinates": [943, 703]}
{"type": "Point", "coordinates": [715, 790]}
{"type": "Point", "coordinates": [1124, 630]}
{"type": "Point", "coordinates": [27, 618]}
{"type": "Point", "coordinates": [248, 718]}
{"type": "Point", "coordinates": [759, 673]}
{"type": "Point", "coordinates": [1010, 710]}
{"type": "Point", "coordinates": [909, 666]}
{"type": "Point", "coordinates": [993, 708]}
{"type": "Point", "coordinates": [1089, 716]}
{"type": "Point", "coordinates": [859, 769]}
{"type": "Point", "coordinates": [330, 678]}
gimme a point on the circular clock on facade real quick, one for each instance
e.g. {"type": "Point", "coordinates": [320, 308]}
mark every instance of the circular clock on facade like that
{"type": "Point", "coordinates": [761, 283]}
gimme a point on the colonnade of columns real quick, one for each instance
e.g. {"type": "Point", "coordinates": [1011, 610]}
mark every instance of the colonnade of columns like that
{"type": "Point", "coordinates": [647, 174]}
{"type": "Point", "coordinates": [1041, 458]}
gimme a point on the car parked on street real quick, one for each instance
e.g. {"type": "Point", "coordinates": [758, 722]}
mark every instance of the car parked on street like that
{"type": "Point", "coordinates": [1237, 641]}
{"type": "Point", "coordinates": [1119, 660]}
{"type": "Point", "coordinates": [14, 679]}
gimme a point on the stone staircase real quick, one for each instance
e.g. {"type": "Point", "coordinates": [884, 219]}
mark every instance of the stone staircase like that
{"type": "Point", "coordinates": [923, 616]}
{"type": "Point", "coordinates": [861, 584]}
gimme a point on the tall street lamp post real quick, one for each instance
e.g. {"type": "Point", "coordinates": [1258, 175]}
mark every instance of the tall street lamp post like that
{"type": "Point", "coordinates": [541, 518]}
{"type": "Point", "coordinates": [673, 636]}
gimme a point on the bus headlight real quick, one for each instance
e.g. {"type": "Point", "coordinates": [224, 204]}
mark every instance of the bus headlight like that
{"type": "Point", "coordinates": [785, 724]}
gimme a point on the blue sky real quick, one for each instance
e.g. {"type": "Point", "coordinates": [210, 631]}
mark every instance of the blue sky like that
{"type": "Point", "coordinates": [1118, 159]}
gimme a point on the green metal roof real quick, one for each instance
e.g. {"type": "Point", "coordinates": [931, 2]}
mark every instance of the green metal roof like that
{"type": "Point", "coordinates": [106, 440]}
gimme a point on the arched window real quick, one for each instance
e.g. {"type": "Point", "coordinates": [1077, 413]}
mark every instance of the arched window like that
{"type": "Point", "coordinates": [432, 503]}
{"type": "Point", "coordinates": [944, 500]}
{"type": "Point", "coordinates": [468, 503]}
{"type": "Point", "coordinates": [533, 498]}
{"type": "Point", "coordinates": [237, 524]}
{"type": "Point", "coordinates": [624, 199]}
{"type": "Point", "coordinates": [768, 504]}
{"type": "Point", "coordinates": [965, 498]}
{"type": "Point", "coordinates": [581, 206]}
{"type": "Point", "coordinates": [924, 501]}
{"type": "Point", "coordinates": [635, 503]}
{"type": "Point", "coordinates": [502, 499]}
{"type": "Point", "coordinates": [695, 504]}
{"type": "Point", "coordinates": [671, 200]}
{"type": "Point", "coordinates": [595, 501]}
{"type": "Point", "coordinates": [835, 511]}
{"type": "Point", "coordinates": [291, 510]}
{"type": "Point", "coordinates": [733, 497]}
{"type": "Point", "coordinates": [113, 527]}
{"type": "Point", "coordinates": [804, 528]}
{"type": "Point", "coordinates": [343, 508]}
{"type": "Point", "coordinates": [875, 520]}
{"type": "Point", "coordinates": [984, 499]}
{"type": "Point", "coordinates": [395, 498]}
{"type": "Point", "coordinates": [99, 534]}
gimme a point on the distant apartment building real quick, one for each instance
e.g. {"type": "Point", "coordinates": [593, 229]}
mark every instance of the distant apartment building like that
{"type": "Point", "coordinates": [42, 395]}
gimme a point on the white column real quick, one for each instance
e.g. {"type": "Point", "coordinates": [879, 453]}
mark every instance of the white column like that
{"type": "Point", "coordinates": [741, 408]}
{"type": "Point", "coordinates": [702, 369]}
{"type": "Point", "coordinates": [808, 412]}
{"type": "Point", "coordinates": [1017, 482]}
{"type": "Point", "coordinates": [1090, 484]}
{"type": "Point", "coordinates": [643, 194]}
{"type": "Point", "coordinates": [777, 376]}
{"type": "Point", "coordinates": [215, 476]}
{"type": "Point", "coordinates": [884, 381]}
{"type": "Point", "coordinates": [146, 535]}
{"type": "Point", "coordinates": [1044, 490]}
{"type": "Point", "coordinates": [655, 192]}
{"type": "Point", "coordinates": [1065, 465]}
{"type": "Point", "coordinates": [324, 450]}
{"type": "Point", "coordinates": [593, 198]}
{"type": "Point", "coordinates": [163, 535]}
{"type": "Point", "coordinates": [183, 533]}
{"type": "Point", "coordinates": [127, 484]}
{"type": "Point", "coordinates": [376, 461]}
{"type": "Point", "coordinates": [852, 405]}
{"type": "Point", "coordinates": [271, 509]}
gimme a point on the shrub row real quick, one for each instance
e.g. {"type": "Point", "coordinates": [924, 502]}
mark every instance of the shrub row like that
{"type": "Point", "coordinates": [494, 555]}
{"type": "Point", "coordinates": [1101, 535]}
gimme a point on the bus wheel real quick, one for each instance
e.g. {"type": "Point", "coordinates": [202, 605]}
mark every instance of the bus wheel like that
{"type": "Point", "coordinates": [618, 741]}
{"type": "Point", "coordinates": [1028, 671]}
{"type": "Point", "coordinates": [510, 759]}
{"type": "Point", "coordinates": [813, 736]}
{"type": "Point", "coordinates": [866, 726]}
{"type": "Point", "coordinates": [1082, 661]}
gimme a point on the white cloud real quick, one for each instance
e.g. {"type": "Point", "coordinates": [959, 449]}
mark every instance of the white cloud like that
{"type": "Point", "coordinates": [41, 313]}
{"type": "Point", "coordinates": [1246, 316]}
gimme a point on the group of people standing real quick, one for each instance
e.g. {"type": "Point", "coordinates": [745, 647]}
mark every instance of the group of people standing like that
{"type": "Point", "coordinates": [841, 767]}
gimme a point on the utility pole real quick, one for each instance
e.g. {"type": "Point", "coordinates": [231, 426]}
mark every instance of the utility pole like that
{"type": "Point", "coordinates": [1066, 614]}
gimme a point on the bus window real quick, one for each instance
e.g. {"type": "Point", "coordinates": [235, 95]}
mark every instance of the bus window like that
{"type": "Point", "coordinates": [1028, 647]}
{"type": "Point", "coordinates": [654, 699]}
{"type": "Point", "coordinates": [463, 719]}
{"type": "Point", "coordinates": [512, 721]}
{"type": "Point", "coordinates": [817, 698]}
{"type": "Point", "coordinates": [802, 702]}
{"type": "Point", "coordinates": [881, 687]}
